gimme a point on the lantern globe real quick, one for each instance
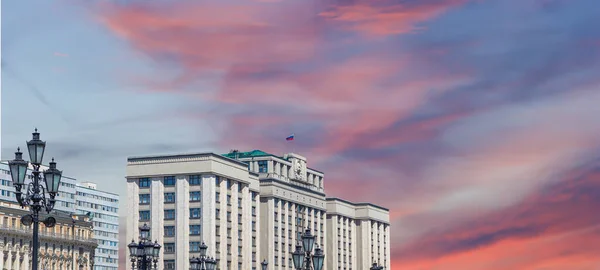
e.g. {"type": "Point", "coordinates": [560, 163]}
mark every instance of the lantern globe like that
{"type": "Point", "coordinates": [298, 257]}
{"type": "Point", "coordinates": [264, 264]}
{"type": "Point", "coordinates": [149, 248]}
{"type": "Point", "coordinates": [145, 231]}
{"type": "Point", "coordinates": [194, 263]}
{"type": "Point", "coordinates": [156, 250]}
{"type": "Point", "coordinates": [308, 241]}
{"type": "Point", "coordinates": [18, 168]}
{"type": "Point", "coordinates": [211, 264]}
{"type": "Point", "coordinates": [52, 178]}
{"type": "Point", "coordinates": [36, 148]}
{"type": "Point", "coordinates": [203, 249]}
{"type": "Point", "coordinates": [318, 259]}
{"type": "Point", "coordinates": [132, 248]}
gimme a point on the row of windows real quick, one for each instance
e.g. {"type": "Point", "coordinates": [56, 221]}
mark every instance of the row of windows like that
{"type": "Point", "coordinates": [96, 197]}
{"type": "Point", "coordinates": [169, 214]}
{"type": "Point", "coordinates": [97, 206]}
{"type": "Point", "coordinates": [194, 180]}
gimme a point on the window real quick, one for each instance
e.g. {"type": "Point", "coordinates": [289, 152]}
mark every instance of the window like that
{"type": "Point", "coordinates": [229, 183]}
{"type": "Point", "coordinates": [169, 181]}
{"type": "Point", "coordinates": [195, 229]}
{"type": "Point", "coordinates": [195, 180]}
{"type": "Point", "coordinates": [170, 197]}
{"type": "Point", "coordinates": [253, 196]}
{"type": "Point", "coordinates": [254, 210]}
{"type": "Point", "coordinates": [144, 215]}
{"type": "Point", "coordinates": [217, 213]}
{"type": "Point", "coordinates": [217, 181]}
{"type": "Point", "coordinates": [169, 231]}
{"type": "Point", "coordinates": [169, 264]}
{"type": "Point", "coordinates": [194, 246]}
{"type": "Point", "coordinates": [144, 182]}
{"type": "Point", "coordinates": [195, 196]}
{"type": "Point", "coordinates": [240, 187]}
{"type": "Point", "coordinates": [169, 214]}
{"type": "Point", "coordinates": [217, 197]}
{"type": "Point", "coordinates": [262, 166]}
{"type": "Point", "coordinates": [228, 199]}
{"type": "Point", "coordinates": [169, 247]}
{"type": "Point", "coordinates": [144, 198]}
{"type": "Point", "coordinates": [228, 216]}
{"type": "Point", "coordinates": [195, 213]}
{"type": "Point", "coordinates": [239, 202]}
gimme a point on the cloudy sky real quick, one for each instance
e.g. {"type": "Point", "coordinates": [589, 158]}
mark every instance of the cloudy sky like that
{"type": "Point", "coordinates": [472, 121]}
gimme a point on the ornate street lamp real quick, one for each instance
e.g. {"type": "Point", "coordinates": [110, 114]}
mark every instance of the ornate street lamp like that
{"type": "Point", "coordinates": [203, 262]}
{"type": "Point", "coordinates": [303, 258]}
{"type": "Point", "coordinates": [144, 253]}
{"type": "Point", "coordinates": [376, 267]}
{"type": "Point", "coordinates": [264, 264]}
{"type": "Point", "coordinates": [34, 194]}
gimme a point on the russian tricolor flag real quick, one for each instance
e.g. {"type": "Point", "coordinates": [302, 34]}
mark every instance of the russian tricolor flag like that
{"type": "Point", "coordinates": [290, 138]}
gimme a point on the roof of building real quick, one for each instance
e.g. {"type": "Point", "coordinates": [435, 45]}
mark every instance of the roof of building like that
{"type": "Point", "coordinates": [357, 204]}
{"type": "Point", "coordinates": [254, 153]}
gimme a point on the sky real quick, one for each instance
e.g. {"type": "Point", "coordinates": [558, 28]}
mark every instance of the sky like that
{"type": "Point", "coordinates": [472, 121]}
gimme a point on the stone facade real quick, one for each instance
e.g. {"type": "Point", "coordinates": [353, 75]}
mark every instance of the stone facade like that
{"type": "Point", "coordinates": [68, 245]}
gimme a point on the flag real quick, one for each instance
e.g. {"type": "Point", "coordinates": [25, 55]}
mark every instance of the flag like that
{"type": "Point", "coordinates": [290, 138]}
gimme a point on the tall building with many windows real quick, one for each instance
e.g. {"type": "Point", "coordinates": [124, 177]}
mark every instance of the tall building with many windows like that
{"type": "Point", "coordinates": [73, 198]}
{"type": "Point", "coordinates": [292, 198]}
{"type": "Point", "coordinates": [188, 199]}
{"type": "Point", "coordinates": [359, 235]}
{"type": "Point", "coordinates": [102, 207]}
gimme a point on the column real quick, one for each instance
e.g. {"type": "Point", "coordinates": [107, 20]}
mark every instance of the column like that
{"type": "Point", "coordinates": [2, 255]}
{"type": "Point", "coordinates": [234, 225]}
{"type": "Point", "coordinates": [246, 228]}
{"type": "Point", "coordinates": [223, 224]}
{"type": "Point", "coordinates": [9, 259]}
{"type": "Point", "coordinates": [157, 214]}
{"type": "Point", "coordinates": [182, 216]}
{"type": "Point", "coordinates": [25, 259]}
{"type": "Point", "coordinates": [17, 255]}
{"type": "Point", "coordinates": [387, 246]}
{"type": "Point", "coordinates": [133, 215]}
{"type": "Point", "coordinates": [208, 214]}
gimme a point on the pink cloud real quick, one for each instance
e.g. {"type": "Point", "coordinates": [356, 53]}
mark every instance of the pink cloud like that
{"type": "Point", "coordinates": [61, 54]}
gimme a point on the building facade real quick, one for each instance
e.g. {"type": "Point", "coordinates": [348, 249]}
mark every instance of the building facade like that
{"type": "Point", "coordinates": [292, 198]}
{"type": "Point", "coordinates": [102, 207]}
{"type": "Point", "coordinates": [73, 198]}
{"type": "Point", "coordinates": [359, 235]}
{"type": "Point", "coordinates": [193, 198]}
{"type": "Point", "coordinates": [66, 246]}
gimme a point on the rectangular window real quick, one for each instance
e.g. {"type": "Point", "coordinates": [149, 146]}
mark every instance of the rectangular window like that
{"type": "Point", "coordinates": [195, 213]}
{"type": "Point", "coordinates": [262, 166]}
{"type": "Point", "coordinates": [217, 213]}
{"type": "Point", "coordinates": [228, 216]}
{"type": "Point", "coordinates": [217, 197]}
{"type": "Point", "coordinates": [228, 199]}
{"type": "Point", "coordinates": [169, 264]}
{"type": "Point", "coordinates": [254, 196]}
{"type": "Point", "coordinates": [239, 202]}
{"type": "Point", "coordinates": [144, 182]}
{"type": "Point", "coordinates": [229, 183]}
{"type": "Point", "coordinates": [195, 229]}
{"type": "Point", "coordinates": [169, 181]}
{"type": "Point", "coordinates": [194, 246]}
{"type": "Point", "coordinates": [195, 196]}
{"type": "Point", "coordinates": [240, 187]}
{"type": "Point", "coordinates": [217, 181]}
{"type": "Point", "coordinates": [169, 231]}
{"type": "Point", "coordinates": [169, 247]}
{"type": "Point", "coordinates": [170, 197]}
{"type": "Point", "coordinates": [144, 215]}
{"type": "Point", "coordinates": [195, 180]}
{"type": "Point", "coordinates": [144, 198]}
{"type": "Point", "coordinates": [169, 214]}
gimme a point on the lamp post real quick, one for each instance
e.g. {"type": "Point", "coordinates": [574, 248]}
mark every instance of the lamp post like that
{"type": "Point", "coordinates": [303, 257]}
{"type": "Point", "coordinates": [203, 262]}
{"type": "Point", "coordinates": [144, 253]}
{"type": "Point", "coordinates": [376, 267]}
{"type": "Point", "coordinates": [264, 264]}
{"type": "Point", "coordinates": [34, 194]}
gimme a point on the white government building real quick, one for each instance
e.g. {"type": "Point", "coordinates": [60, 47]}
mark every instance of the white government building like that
{"type": "Point", "coordinates": [246, 207]}
{"type": "Point", "coordinates": [79, 199]}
